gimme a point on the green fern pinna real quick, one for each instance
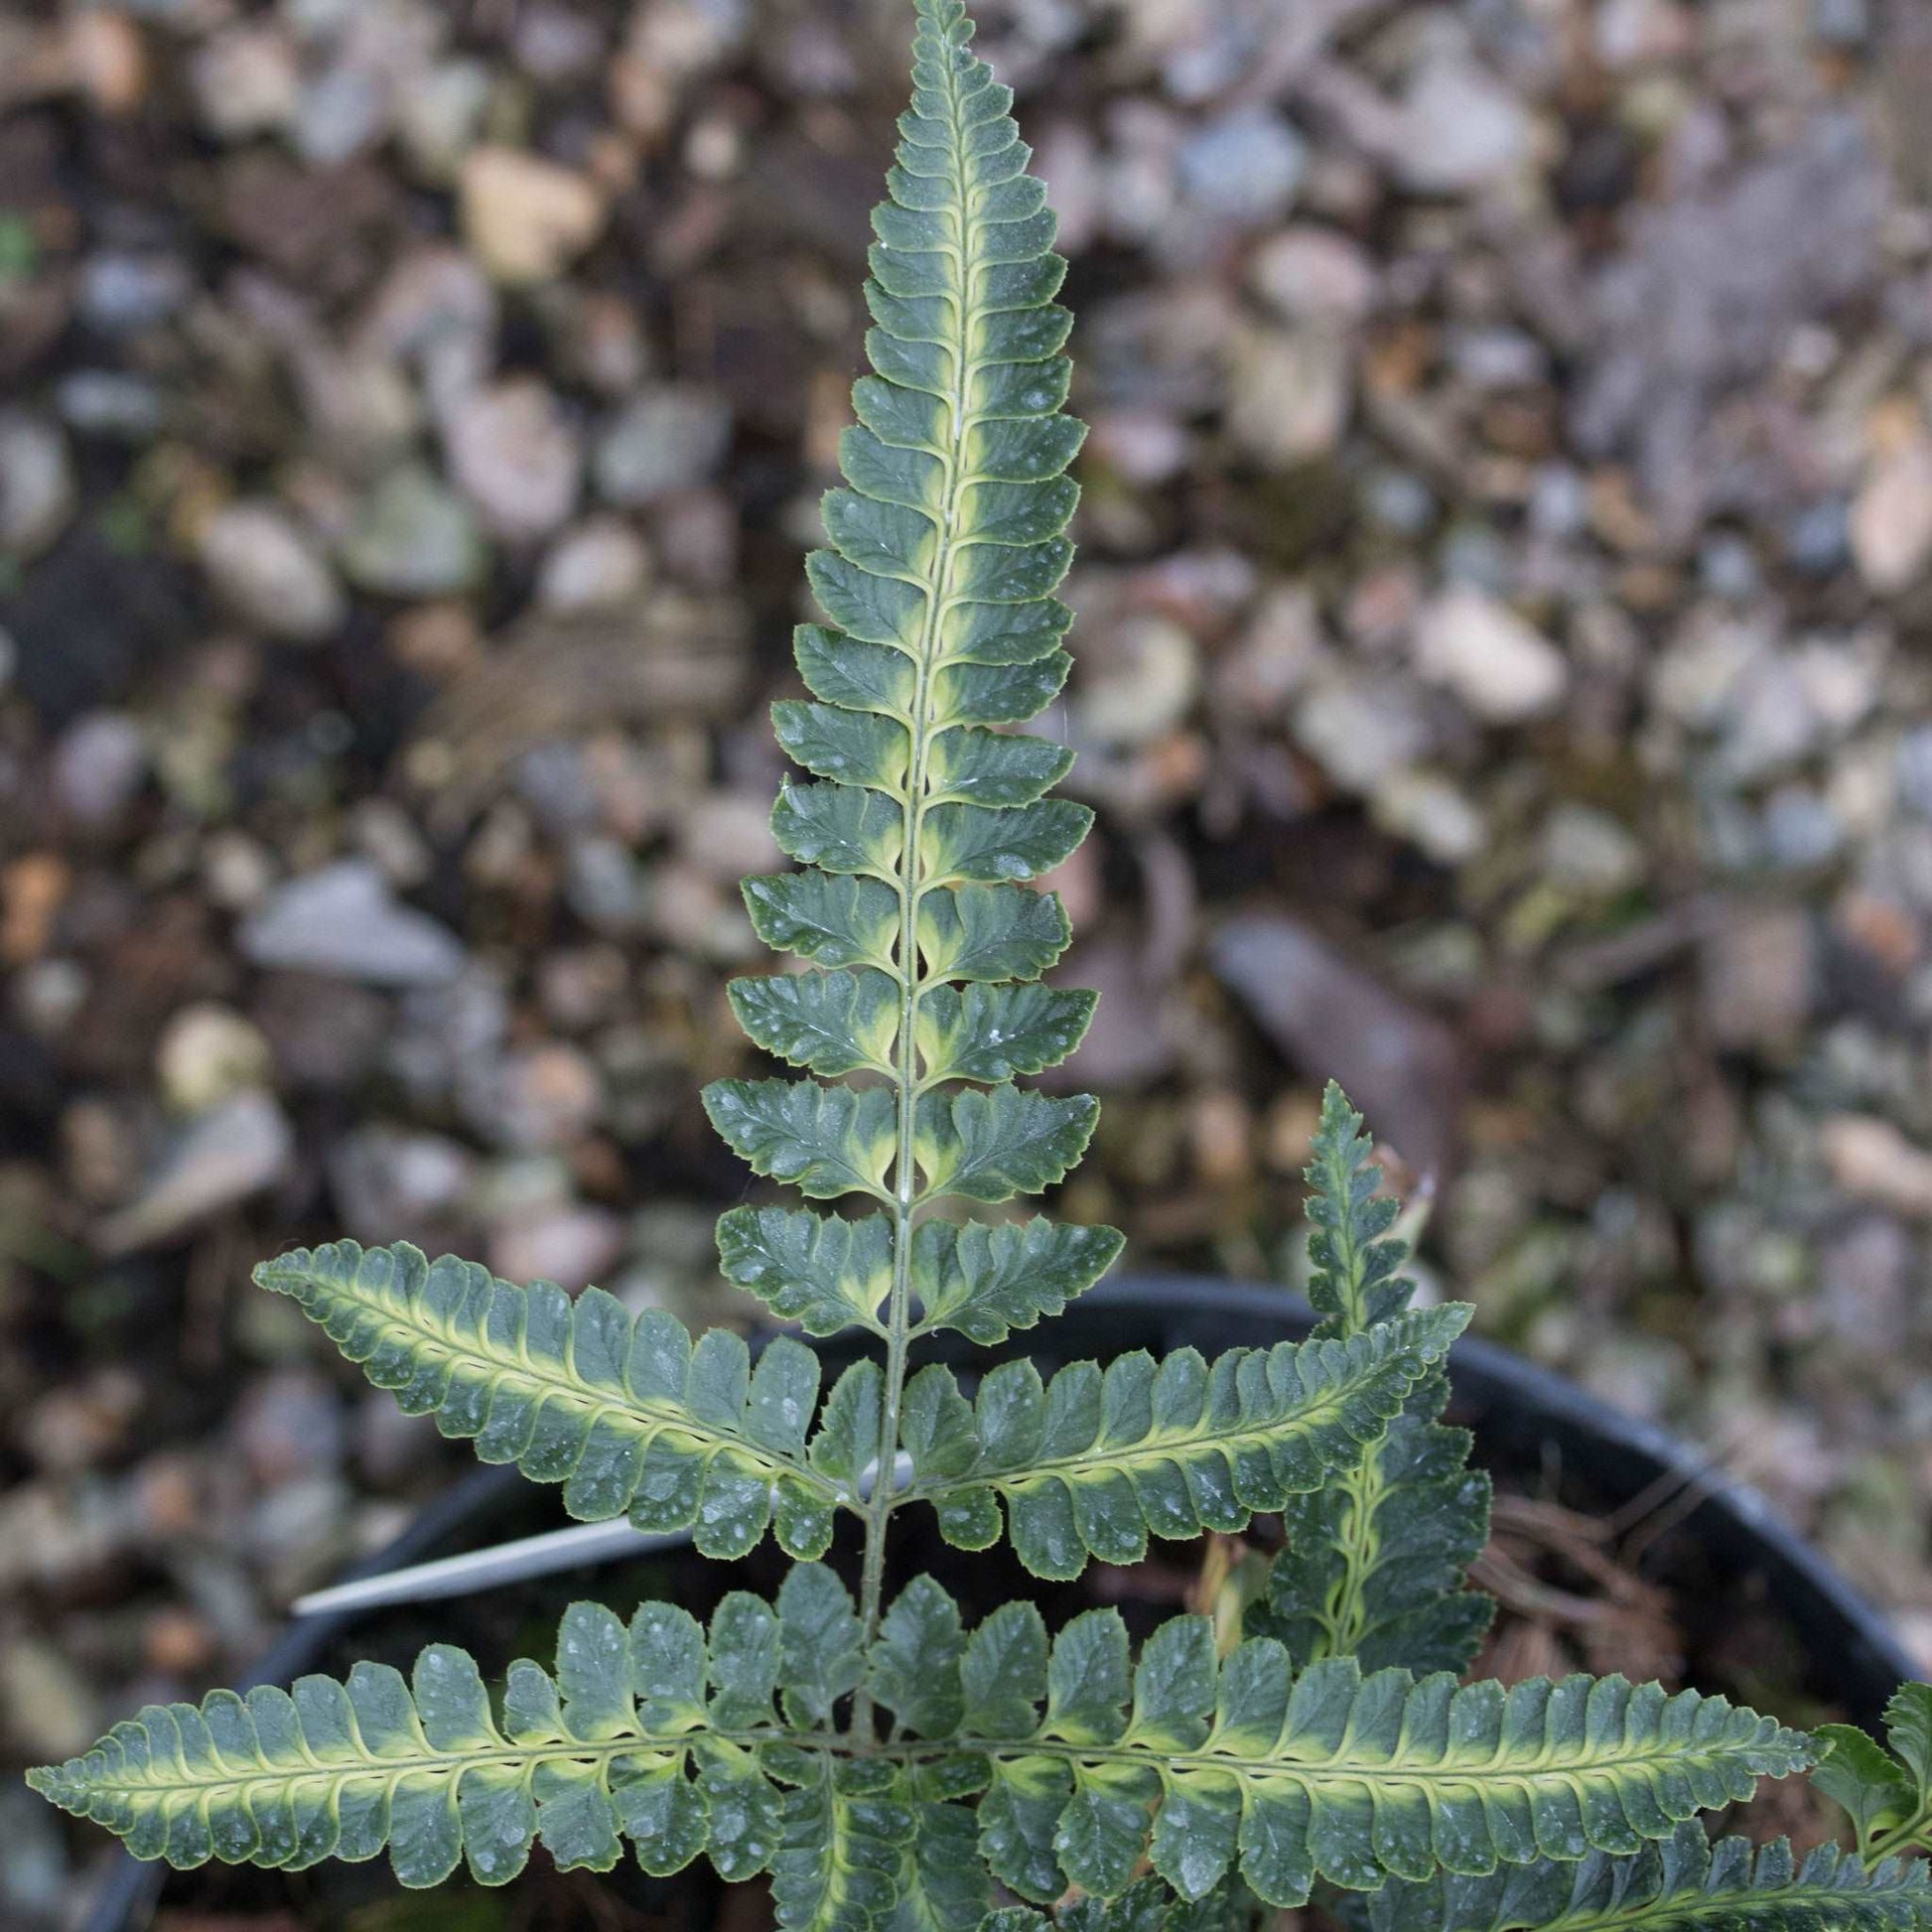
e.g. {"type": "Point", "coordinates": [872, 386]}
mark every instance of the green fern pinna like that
{"type": "Point", "coordinates": [892, 1770]}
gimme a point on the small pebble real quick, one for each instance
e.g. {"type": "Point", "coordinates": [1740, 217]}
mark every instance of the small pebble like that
{"type": "Point", "coordinates": [270, 573]}
{"type": "Point", "coordinates": [1139, 685]}
{"type": "Point", "coordinates": [600, 563]}
{"type": "Point", "coordinates": [98, 766]}
{"type": "Point", "coordinates": [1289, 394]}
{"type": "Point", "coordinates": [1501, 667]}
{"type": "Point", "coordinates": [1871, 1160]}
{"type": "Point", "coordinates": [342, 918]}
{"type": "Point", "coordinates": [208, 1052]}
{"type": "Point", "coordinates": [222, 1158]}
{"type": "Point", "coordinates": [518, 456]}
{"type": "Point", "coordinates": [109, 403]}
{"type": "Point", "coordinates": [245, 80]}
{"type": "Point", "coordinates": [121, 292]}
{"type": "Point", "coordinates": [1462, 128]}
{"type": "Point", "coordinates": [412, 536]}
{"type": "Point", "coordinates": [37, 485]}
{"type": "Point", "coordinates": [666, 440]}
{"type": "Point", "coordinates": [525, 216]}
{"type": "Point", "coordinates": [1587, 851]}
{"type": "Point", "coordinates": [1890, 524]}
{"type": "Point", "coordinates": [1313, 274]}
{"type": "Point", "coordinates": [1244, 166]}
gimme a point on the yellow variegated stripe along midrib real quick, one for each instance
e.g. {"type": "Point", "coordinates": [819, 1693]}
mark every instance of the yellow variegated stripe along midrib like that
{"type": "Point", "coordinates": [910, 883]}
{"type": "Point", "coordinates": [1345, 1614]}
{"type": "Point", "coordinates": [1365, 1769]}
{"type": "Point", "coordinates": [548, 1381]}
{"type": "Point", "coordinates": [1106, 1457]}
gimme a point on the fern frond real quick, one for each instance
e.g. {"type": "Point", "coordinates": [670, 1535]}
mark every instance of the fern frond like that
{"type": "Point", "coordinates": [1093, 1463]}
{"type": "Point", "coordinates": [625, 1412]}
{"type": "Point", "coordinates": [1889, 1793]}
{"type": "Point", "coordinates": [920, 824]}
{"type": "Point", "coordinates": [1330, 1775]}
{"type": "Point", "coordinates": [604, 1748]}
{"type": "Point", "coordinates": [1354, 1280]}
{"type": "Point", "coordinates": [922, 819]}
{"type": "Point", "coordinates": [1683, 1884]}
{"type": "Point", "coordinates": [1375, 1562]}
{"type": "Point", "coordinates": [659, 1734]}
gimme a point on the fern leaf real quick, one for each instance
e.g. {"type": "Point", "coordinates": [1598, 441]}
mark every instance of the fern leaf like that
{"type": "Point", "coordinates": [825, 1141]}
{"type": "Point", "coordinates": [1683, 1884]}
{"type": "Point", "coordinates": [1889, 1793]}
{"type": "Point", "coordinates": [848, 1829]}
{"type": "Point", "coordinates": [626, 1412]}
{"type": "Point", "coordinates": [822, 1272]}
{"type": "Point", "coordinates": [1095, 1462]}
{"type": "Point", "coordinates": [820, 1649]}
{"type": "Point", "coordinates": [1375, 1562]}
{"type": "Point", "coordinates": [990, 1145]}
{"type": "Point", "coordinates": [925, 819]}
{"type": "Point", "coordinates": [1147, 1905]}
{"type": "Point", "coordinates": [913, 1667]}
{"type": "Point", "coordinates": [831, 1023]}
{"type": "Point", "coordinates": [1354, 1281]}
{"type": "Point", "coordinates": [605, 1748]}
{"type": "Point", "coordinates": [944, 1885]}
{"type": "Point", "coordinates": [1353, 1779]}
{"type": "Point", "coordinates": [986, 1281]}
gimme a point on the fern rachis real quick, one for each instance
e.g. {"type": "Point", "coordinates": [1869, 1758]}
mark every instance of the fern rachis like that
{"type": "Point", "coordinates": [886, 1765]}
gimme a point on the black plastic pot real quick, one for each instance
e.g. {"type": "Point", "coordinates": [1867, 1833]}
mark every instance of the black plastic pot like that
{"type": "Point", "coordinates": [1527, 1421]}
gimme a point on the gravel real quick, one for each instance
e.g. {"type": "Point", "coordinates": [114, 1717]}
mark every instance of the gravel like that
{"type": "Point", "coordinates": [1500, 676]}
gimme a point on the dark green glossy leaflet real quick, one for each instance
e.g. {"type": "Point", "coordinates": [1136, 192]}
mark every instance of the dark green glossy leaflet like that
{"type": "Point", "coordinates": [831, 1023]}
{"type": "Point", "coordinates": [1093, 1463]}
{"type": "Point", "coordinates": [1375, 1562]}
{"type": "Point", "coordinates": [848, 1830]}
{"type": "Point", "coordinates": [1684, 1884]}
{"type": "Point", "coordinates": [625, 1412]}
{"type": "Point", "coordinates": [821, 1272]}
{"type": "Point", "coordinates": [944, 1885]}
{"type": "Point", "coordinates": [994, 1143]}
{"type": "Point", "coordinates": [988, 1280]}
{"type": "Point", "coordinates": [1333, 1775]}
{"type": "Point", "coordinates": [825, 1141]}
